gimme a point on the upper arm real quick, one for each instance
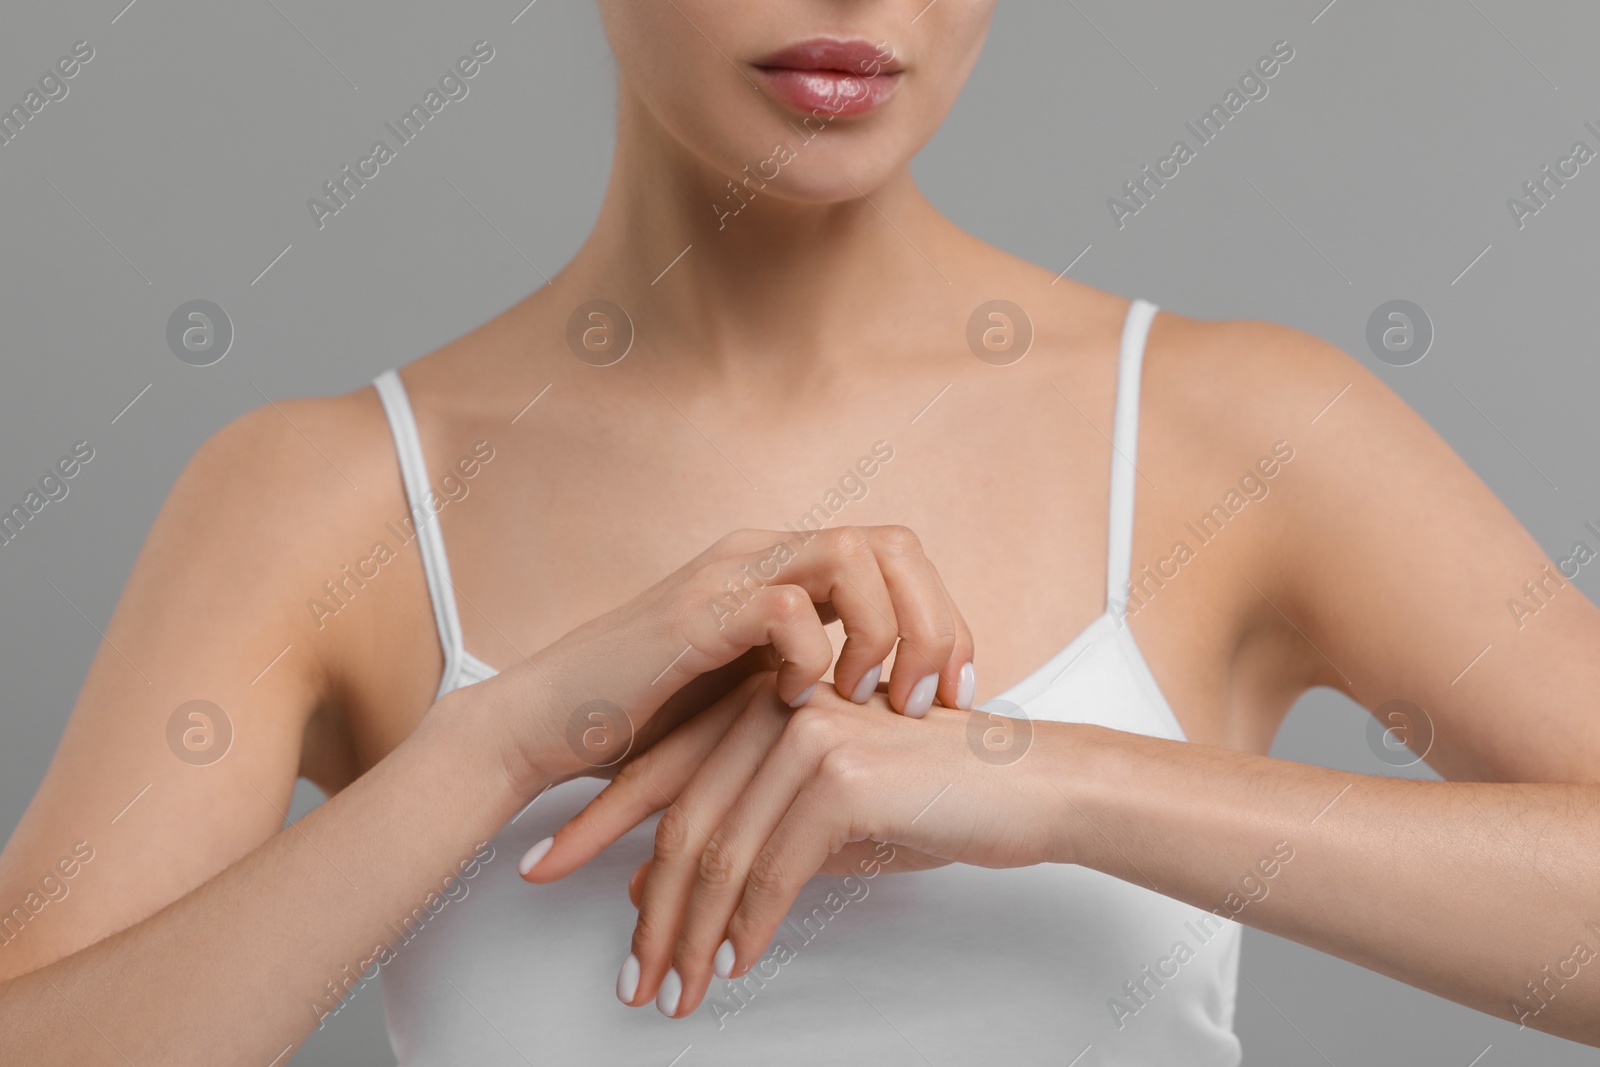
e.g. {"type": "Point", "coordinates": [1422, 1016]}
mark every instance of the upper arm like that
{"type": "Point", "coordinates": [1400, 566]}
{"type": "Point", "coordinates": [213, 611]}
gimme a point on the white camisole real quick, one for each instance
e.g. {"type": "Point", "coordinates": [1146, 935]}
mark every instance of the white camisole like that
{"type": "Point", "coordinates": [1051, 964]}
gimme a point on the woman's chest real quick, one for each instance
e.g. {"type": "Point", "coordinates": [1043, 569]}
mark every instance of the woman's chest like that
{"type": "Point", "coordinates": [1007, 492]}
{"type": "Point", "coordinates": [1016, 520]}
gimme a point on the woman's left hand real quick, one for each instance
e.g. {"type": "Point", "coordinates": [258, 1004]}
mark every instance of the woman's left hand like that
{"type": "Point", "coordinates": [780, 793]}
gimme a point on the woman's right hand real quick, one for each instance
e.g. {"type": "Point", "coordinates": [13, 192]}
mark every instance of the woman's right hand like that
{"type": "Point", "coordinates": [756, 599]}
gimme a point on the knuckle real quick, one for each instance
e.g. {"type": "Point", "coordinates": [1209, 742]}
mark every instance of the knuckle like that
{"type": "Point", "coordinates": [850, 543]}
{"type": "Point", "coordinates": [672, 833]}
{"type": "Point", "coordinates": [842, 770]}
{"type": "Point", "coordinates": [766, 874]}
{"type": "Point", "coordinates": [790, 603]}
{"type": "Point", "coordinates": [934, 635]}
{"type": "Point", "coordinates": [649, 930]}
{"type": "Point", "coordinates": [716, 865]}
{"type": "Point", "coordinates": [899, 541]}
{"type": "Point", "coordinates": [813, 727]}
{"type": "Point", "coordinates": [690, 608]}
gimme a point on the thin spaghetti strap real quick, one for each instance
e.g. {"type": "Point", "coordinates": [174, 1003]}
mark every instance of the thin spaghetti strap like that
{"type": "Point", "coordinates": [424, 519]}
{"type": "Point", "coordinates": [1124, 450]}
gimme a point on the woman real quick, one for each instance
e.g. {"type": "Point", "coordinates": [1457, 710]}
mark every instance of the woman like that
{"type": "Point", "coordinates": [771, 345]}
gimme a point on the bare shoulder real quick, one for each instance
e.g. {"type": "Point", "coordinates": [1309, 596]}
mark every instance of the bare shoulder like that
{"type": "Point", "coordinates": [1220, 391]}
{"type": "Point", "coordinates": [314, 487]}
{"type": "Point", "coordinates": [281, 485]}
{"type": "Point", "coordinates": [1219, 394]}
{"type": "Point", "coordinates": [288, 448]}
{"type": "Point", "coordinates": [256, 562]}
{"type": "Point", "coordinates": [1232, 379]}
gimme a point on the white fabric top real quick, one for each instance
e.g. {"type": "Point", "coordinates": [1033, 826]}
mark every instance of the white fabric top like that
{"type": "Point", "coordinates": [1051, 964]}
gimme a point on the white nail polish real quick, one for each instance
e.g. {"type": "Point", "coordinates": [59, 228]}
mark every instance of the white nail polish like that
{"type": "Point", "coordinates": [921, 698]}
{"type": "Point", "coordinates": [868, 685]}
{"type": "Point", "coordinates": [671, 991]}
{"type": "Point", "coordinates": [531, 857]}
{"type": "Point", "coordinates": [804, 696]}
{"type": "Point", "coordinates": [967, 689]}
{"type": "Point", "coordinates": [722, 962]}
{"type": "Point", "coordinates": [628, 979]}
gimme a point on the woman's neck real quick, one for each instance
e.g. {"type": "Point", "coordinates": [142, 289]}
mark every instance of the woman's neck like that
{"type": "Point", "coordinates": [738, 279]}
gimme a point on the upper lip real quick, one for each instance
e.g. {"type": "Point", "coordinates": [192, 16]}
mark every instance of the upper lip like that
{"type": "Point", "coordinates": [858, 57]}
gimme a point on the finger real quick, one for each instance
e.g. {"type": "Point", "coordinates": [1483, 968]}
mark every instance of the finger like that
{"type": "Point", "coordinates": [641, 789]}
{"type": "Point", "coordinates": [815, 824]}
{"type": "Point", "coordinates": [711, 895]}
{"type": "Point", "coordinates": [683, 832]}
{"type": "Point", "coordinates": [879, 584]}
{"type": "Point", "coordinates": [958, 681]}
{"type": "Point", "coordinates": [784, 617]}
{"type": "Point", "coordinates": [841, 571]}
{"type": "Point", "coordinates": [694, 622]}
{"type": "Point", "coordinates": [926, 619]}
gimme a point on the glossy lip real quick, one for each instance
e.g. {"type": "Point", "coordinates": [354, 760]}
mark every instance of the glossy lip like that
{"type": "Point", "coordinates": [831, 76]}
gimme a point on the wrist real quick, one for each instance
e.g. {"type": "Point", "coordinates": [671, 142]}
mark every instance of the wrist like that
{"type": "Point", "coordinates": [495, 737]}
{"type": "Point", "coordinates": [1077, 777]}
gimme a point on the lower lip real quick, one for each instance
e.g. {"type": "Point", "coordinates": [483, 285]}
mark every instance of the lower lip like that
{"type": "Point", "coordinates": [831, 92]}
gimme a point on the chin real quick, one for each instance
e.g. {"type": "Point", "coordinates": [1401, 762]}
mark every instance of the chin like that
{"type": "Point", "coordinates": [808, 159]}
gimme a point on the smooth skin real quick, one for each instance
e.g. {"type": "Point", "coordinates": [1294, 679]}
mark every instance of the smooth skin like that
{"type": "Point", "coordinates": [830, 314]}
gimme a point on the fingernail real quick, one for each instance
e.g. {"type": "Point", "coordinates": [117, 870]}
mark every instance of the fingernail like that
{"type": "Point", "coordinates": [967, 689]}
{"type": "Point", "coordinates": [628, 979]}
{"type": "Point", "coordinates": [804, 696]}
{"type": "Point", "coordinates": [722, 962]}
{"type": "Point", "coordinates": [868, 685]}
{"type": "Point", "coordinates": [921, 698]}
{"type": "Point", "coordinates": [531, 857]}
{"type": "Point", "coordinates": [671, 990]}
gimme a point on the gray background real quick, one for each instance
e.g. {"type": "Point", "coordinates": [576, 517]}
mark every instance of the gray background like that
{"type": "Point", "coordinates": [1377, 168]}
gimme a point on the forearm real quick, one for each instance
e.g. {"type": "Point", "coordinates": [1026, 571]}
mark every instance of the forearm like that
{"type": "Point", "coordinates": [238, 969]}
{"type": "Point", "coordinates": [1469, 890]}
